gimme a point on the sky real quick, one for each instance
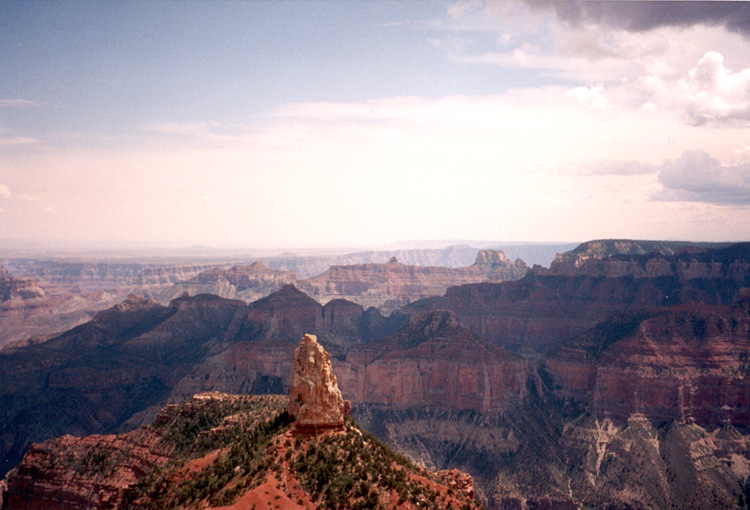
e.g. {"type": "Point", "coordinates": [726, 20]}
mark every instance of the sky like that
{"type": "Point", "coordinates": [279, 124]}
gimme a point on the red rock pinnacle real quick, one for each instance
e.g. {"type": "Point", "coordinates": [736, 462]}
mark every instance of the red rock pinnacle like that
{"type": "Point", "coordinates": [314, 397]}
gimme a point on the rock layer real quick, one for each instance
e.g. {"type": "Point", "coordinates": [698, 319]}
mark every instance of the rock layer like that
{"type": "Point", "coordinates": [434, 362]}
{"type": "Point", "coordinates": [683, 363]}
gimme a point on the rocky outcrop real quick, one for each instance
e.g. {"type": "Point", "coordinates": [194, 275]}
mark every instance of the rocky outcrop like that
{"type": "Point", "coordinates": [86, 473]}
{"type": "Point", "coordinates": [13, 288]}
{"type": "Point", "coordinates": [637, 465]}
{"type": "Point", "coordinates": [315, 400]}
{"type": "Point", "coordinates": [391, 285]}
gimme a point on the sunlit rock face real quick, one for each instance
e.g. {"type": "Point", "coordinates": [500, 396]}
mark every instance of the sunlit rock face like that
{"type": "Point", "coordinates": [314, 396]}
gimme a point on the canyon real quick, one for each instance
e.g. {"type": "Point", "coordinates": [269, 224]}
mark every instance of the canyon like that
{"type": "Point", "coordinates": [615, 378]}
{"type": "Point", "coordinates": [69, 293]}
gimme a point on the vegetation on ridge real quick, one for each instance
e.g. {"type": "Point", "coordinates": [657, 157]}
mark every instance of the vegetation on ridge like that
{"type": "Point", "coordinates": [217, 448]}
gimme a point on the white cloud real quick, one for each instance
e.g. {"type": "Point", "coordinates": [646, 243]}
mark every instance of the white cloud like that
{"type": "Point", "coordinates": [205, 200]}
{"type": "Point", "coordinates": [712, 93]}
{"type": "Point", "coordinates": [591, 96]}
{"type": "Point", "coordinates": [5, 191]}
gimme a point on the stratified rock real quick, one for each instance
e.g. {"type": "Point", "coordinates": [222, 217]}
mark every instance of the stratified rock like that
{"type": "Point", "coordinates": [314, 396]}
{"type": "Point", "coordinates": [683, 363]}
{"type": "Point", "coordinates": [491, 258]}
{"type": "Point", "coordinates": [248, 283]}
{"type": "Point", "coordinates": [548, 306]}
{"type": "Point", "coordinates": [434, 362]}
{"type": "Point", "coordinates": [394, 284]}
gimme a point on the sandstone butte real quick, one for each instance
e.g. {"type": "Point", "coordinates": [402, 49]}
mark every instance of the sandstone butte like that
{"type": "Point", "coordinates": [315, 400]}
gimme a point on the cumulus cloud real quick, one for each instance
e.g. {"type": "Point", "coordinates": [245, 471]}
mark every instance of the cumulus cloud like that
{"type": "Point", "coordinates": [5, 191]}
{"type": "Point", "coordinates": [696, 176]}
{"type": "Point", "coordinates": [591, 96]}
{"type": "Point", "coordinates": [636, 16]}
{"type": "Point", "coordinates": [712, 93]}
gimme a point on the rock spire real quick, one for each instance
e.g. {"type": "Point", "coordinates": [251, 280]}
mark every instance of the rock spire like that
{"type": "Point", "coordinates": [314, 397]}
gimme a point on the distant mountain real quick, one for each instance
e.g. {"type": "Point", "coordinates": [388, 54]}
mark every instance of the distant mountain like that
{"type": "Point", "coordinates": [453, 256]}
{"type": "Point", "coordinates": [76, 288]}
{"type": "Point", "coordinates": [393, 284]}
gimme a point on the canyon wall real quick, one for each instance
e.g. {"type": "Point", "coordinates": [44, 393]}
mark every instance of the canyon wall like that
{"type": "Point", "coordinates": [557, 390]}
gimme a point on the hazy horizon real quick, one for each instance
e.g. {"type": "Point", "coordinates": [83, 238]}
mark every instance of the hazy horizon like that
{"type": "Point", "coordinates": [117, 249]}
{"type": "Point", "coordinates": [314, 125]}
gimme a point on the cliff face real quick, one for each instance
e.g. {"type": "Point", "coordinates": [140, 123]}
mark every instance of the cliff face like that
{"type": "Point", "coordinates": [26, 310]}
{"type": "Point", "coordinates": [75, 290]}
{"type": "Point", "coordinates": [85, 473]}
{"type": "Point", "coordinates": [433, 362]}
{"type": "Point", "coordinates": [653, 259]}
{"type": "Point", "coordinates": [684, 363]}
{"type": "Point", "coordinates": [605, 248]}
{"type": "Point", "coordinates": [63, 295]}
{"type": "Point", "coordinates": [536, 313]}
{"type": "Point", "coordinates": [637, 465]}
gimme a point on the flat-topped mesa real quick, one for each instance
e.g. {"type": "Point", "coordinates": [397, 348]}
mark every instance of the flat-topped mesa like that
{"type": "Point", "coordinates": [314, 397]}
